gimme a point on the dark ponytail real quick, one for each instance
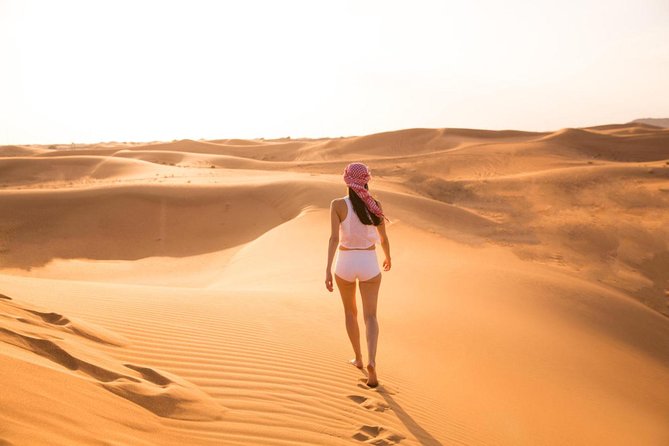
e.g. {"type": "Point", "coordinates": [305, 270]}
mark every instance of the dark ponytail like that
{"type": "Point", "coordinates": [360, 208]}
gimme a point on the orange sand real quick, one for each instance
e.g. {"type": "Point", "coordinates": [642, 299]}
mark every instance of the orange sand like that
{"type": "Point", "coordinates": [172, 293]}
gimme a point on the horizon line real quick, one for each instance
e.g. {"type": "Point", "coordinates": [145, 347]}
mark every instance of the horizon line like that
{"type": "Point", "coordinates": [289, 137]}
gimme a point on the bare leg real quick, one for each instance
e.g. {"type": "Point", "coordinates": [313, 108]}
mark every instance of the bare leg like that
{"type": "Point", "coordinates": [347, 291]}
{"type": "Point", "coordinates": [369, 291]}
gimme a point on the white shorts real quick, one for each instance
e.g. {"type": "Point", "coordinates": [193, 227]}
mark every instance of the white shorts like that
{"type": "Point", "coordinates": [358, 264]}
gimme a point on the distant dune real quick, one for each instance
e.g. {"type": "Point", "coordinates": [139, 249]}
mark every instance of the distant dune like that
{"type": "Point", "coordinates": [657, 122]}
{"type": "Point", "coordinates": [171, 293]}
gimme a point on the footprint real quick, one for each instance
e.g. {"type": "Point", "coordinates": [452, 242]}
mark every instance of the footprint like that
{"type": "Point", "coordinates": [377, 435]}
{"type": "Point", "coordinates": [382, 388]}
{"type": "Point", "coordinates": [369, 403]}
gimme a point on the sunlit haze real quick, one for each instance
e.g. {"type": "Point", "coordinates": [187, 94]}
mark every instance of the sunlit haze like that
{"type": "Point", "coordinates": [90, 71]}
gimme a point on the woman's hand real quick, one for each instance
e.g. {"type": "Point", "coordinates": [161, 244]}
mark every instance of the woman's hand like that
{"type": "Point", "coordinates": [386, 264]}
{"type": "Point", "coordinates": [328, 281]}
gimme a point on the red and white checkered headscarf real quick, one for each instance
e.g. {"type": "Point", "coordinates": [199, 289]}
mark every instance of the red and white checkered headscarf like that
{"type": "Point", "coordinates": [356, 175]}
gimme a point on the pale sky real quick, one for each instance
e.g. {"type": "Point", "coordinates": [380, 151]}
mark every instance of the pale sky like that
{"type": "Point", "coordinates": [92, 71]}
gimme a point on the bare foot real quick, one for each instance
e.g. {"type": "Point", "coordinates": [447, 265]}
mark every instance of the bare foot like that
{"type": "Point", "coordinates": [372, 380]}
{"type": "Point", "coordinates": [356, 362]}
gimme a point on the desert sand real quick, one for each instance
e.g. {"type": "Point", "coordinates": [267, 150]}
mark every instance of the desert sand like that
{"type": "Point", "coordinates": [173, 292]}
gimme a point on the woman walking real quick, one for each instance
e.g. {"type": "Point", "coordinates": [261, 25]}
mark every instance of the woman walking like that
{"type": "Point", "coordinates": [357, 225]}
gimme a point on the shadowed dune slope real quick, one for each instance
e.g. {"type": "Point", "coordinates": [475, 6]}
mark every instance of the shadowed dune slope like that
{"type": "Point", "coordinates": [133, 222]}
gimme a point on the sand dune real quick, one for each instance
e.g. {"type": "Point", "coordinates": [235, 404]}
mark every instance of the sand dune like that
{"type": "Point", "coordinates": [64, 354]}
{"type": "Point", "coordinates": [171, 293]}
{"type": "Point", "coordinates": [21, 151]}
{"type": "Point", "coordinates": [57, 339]}
{"type": "Point", "coordinates": [175, 221]}
{"type": "Point", "coordinates": [654, 122]}
{"type": "Point", "coordinates": [648, 146]}
{"type": "Point", "coordinates": [266, 150]}
{"type": "Point", "coordinates": [65, 170]}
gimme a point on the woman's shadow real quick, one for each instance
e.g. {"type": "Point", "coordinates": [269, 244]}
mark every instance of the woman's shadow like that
{"type": "Point", "coordinates": [423, 436]}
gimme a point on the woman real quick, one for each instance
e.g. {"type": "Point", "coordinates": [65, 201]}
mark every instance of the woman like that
{"type": "Point", "coordinates": [357, 224]}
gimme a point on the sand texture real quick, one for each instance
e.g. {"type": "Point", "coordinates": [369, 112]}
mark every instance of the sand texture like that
{"type": "Point", "coordinates": [172, 293]}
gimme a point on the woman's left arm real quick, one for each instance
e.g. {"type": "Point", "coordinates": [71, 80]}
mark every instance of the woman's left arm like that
{"type": "Point", "coordinates": [332, 245]}
{"type": "Point", "coordinates": [385, 244]}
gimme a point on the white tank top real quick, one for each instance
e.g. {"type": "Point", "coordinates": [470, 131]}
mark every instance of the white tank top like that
{"type": "Point", "coordinates": [355, 234]}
